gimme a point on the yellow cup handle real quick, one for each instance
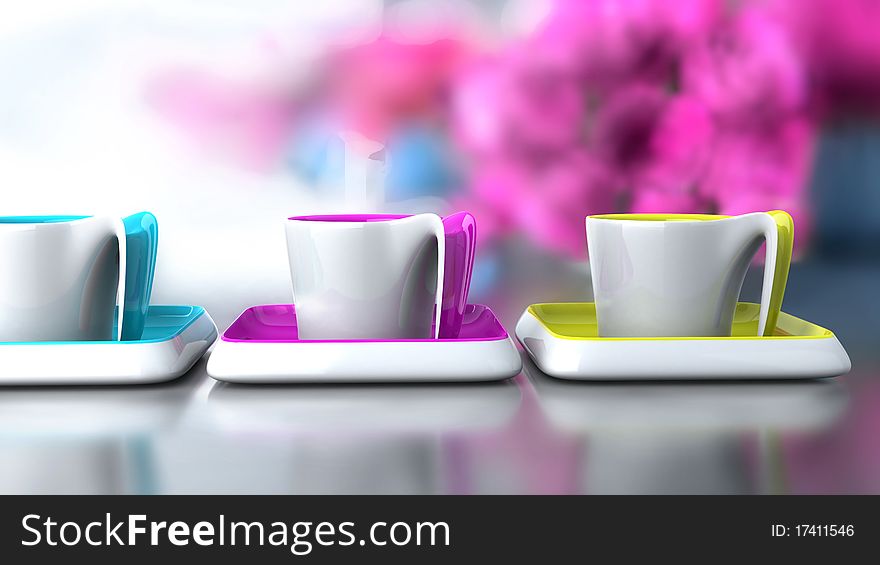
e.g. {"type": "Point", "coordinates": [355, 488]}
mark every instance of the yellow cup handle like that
{"type": "Point", "coordinates": [779, 235]}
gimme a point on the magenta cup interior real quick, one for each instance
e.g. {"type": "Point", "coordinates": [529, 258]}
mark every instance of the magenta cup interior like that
{"type": "Point", "coordinates": [350, 217]}
{"type": "Point", "coordinates": [461, 241]}
{"type": "Point", "coordinates": [276, 323]}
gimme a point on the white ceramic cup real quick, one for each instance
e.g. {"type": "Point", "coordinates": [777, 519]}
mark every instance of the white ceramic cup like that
{"type": "Point", "coordinates": [366, 276]}
{"type": "Point", "coordinates": [681, 274]}
{"type": "Point", "coordinates": [60, 278]}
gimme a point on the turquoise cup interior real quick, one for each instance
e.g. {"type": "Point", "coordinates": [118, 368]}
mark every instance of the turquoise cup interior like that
{"type": "Point", "coordinates": [141, 245]}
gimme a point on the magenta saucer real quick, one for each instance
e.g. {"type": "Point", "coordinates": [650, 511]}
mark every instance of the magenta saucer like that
{"type": "Point", "coordinates": [261, 346]}
{"type": "Point", "coordinates": [276, 323]}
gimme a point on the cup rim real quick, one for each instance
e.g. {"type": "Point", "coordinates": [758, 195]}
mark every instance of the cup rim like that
{"type": "Point", "coordinates": [351, 218]}
{"type": "Point", "coordinates": [48, 219]}
{"type": "Point", "coordinates": [659, 217]}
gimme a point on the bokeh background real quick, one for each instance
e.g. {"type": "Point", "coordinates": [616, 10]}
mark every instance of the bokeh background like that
{"type": "Point", "coordinates": [531, 114]}
{"type": "Point", "coordinates": [225, 117]}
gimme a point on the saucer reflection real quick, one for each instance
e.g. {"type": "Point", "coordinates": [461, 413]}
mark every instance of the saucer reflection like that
{"type": "Point", "coordinates": [88, 439]}
{"type": "Point", "coordinates": [686, 437]}
{"type": "Point", "coordinates": [392, 439]}
{"type": "Point", "coordinates": [315, 409]}
{"type": "Point", "coordinates": [94, 411]}
{"type": "Point", "coordinates": [718, 406]}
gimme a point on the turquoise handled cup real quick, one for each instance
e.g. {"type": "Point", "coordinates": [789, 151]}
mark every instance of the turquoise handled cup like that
{"type": "Point", "coordinates": [62, 276]}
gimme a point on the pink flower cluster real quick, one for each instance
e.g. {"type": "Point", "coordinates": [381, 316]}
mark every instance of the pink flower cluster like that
{"type": "Point", "coordinates": [608, 105]}
{"type": "Point", "coordinates": [639, 105]}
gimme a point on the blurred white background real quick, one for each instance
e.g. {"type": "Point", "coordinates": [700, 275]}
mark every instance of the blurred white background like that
{"type": "Point", "coordinates": [77, 135]}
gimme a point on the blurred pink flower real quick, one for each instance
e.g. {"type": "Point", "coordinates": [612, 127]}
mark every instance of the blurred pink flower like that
{"type": "Point", "coordinates": [678, 153]}
{"type": "Point", "coordinates": [374, 86]}
{"type": "Point", "coordinates": [623, 126]}
{"type": "Point", "coordinates": [250, 122]}
{"type": "Point", "coordinates": [839, 40]}
{"type": "Point", "coordinates": [498, 182]}
{"type": "Point", "coordinates": [752, 172]}
{"type": "Point", "coordinates": [552, 212]}
{"type": "Point", "coordinates": [679, 147]}
{"type": "Point", "coordinates": [609, 41]}
{"type": "Point", "coordinates": [548, 202]}
{"type": "Point", "coordinates": [748, 71]}
{"type": "Point", "coordinates": [775, 163]}
{"type": "Point", "coordinates": [656, 141]}
{"type": "Point", "coordinates": [519, 104]}
{"type": "Point", "coordinates": [476, 122]}
{"type": "Point", "coordinates": [646, 105]}
{"type": "Point", "coordinates": [655, 200]}
{"type": "Point", "coordinates": [544, 104]}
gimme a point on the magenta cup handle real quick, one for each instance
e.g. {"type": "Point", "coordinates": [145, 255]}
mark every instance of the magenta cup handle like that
{"type": "Point", "coordinates": [461, 242]}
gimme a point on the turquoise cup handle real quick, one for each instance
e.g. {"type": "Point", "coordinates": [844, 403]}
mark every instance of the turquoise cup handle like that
{"type": "Point", "coordinates": [141, 244]}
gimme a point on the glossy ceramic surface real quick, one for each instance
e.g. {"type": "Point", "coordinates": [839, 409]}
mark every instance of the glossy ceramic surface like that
{"type": "Point", "coordinates": [461, 243]}
{"type": "Point", "coordinates": [460, 231]}
{"type": "Point", "coordinates": [62, 276]}
{"type": "Point", "coordinates": [564, 341]}
{"type": "Point", "coordinates": [174, 338]}
{"type": "Point", "coordinates": [681, 275]}
{"type": "Point", "coordinates": [264, 345]}
{"type": "Point", "coordinates": [277, 323]}
{"type": "Point", "coordinates": [141, 244]}
{"type": "Point", "coordinates": [367, 276]}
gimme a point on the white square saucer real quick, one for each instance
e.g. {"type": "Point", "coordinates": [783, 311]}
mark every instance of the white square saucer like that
{"type": "Point", "coordinates": [174, 338]}
{"type": "Point", "coordinates": [563, 341]}
{"type": "Point", "coordinates": [262, 346]}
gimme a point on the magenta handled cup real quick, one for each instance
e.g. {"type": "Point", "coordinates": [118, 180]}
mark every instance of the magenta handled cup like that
{"type": "Point", "coordinates": [380, 276]}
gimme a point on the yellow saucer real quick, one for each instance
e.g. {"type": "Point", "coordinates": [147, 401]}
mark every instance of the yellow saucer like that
{"type": "Point", "coordinates": [577, 320]}
{"type": "Point", "coordinates": [563, 341]}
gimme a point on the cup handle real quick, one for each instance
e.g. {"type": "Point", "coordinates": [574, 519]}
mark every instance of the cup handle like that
{"type": "Point", "coordinates": [141, 243]}
{"type": "Point", "coordinates": [778, 230]}
{"type": "Point", "coordinates": [119, 230]}
{"type": "Point", "coordinates": [460, 237]}
{"type": "Point", "coordinates": [439, 233]}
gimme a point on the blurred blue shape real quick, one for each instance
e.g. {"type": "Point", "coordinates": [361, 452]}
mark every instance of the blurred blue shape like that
{"type": "Point", "coordinates": [487, 271]}
{"type": "Point", "coordinates": [422, 164]}
{"type": "Point", "coordinates": [421, 161]}
{"type": "Point", "coordinates": [317, 154]}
